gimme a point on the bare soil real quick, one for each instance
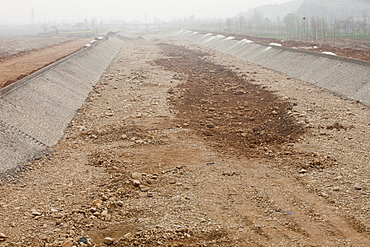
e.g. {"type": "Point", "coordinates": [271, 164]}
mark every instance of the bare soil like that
{"type": "Point", "coordinates": [33, 55]}
{"type": "Point", "coordinates": [179, 145]}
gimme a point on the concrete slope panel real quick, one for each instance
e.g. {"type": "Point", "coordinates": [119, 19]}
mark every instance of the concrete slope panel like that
{"type": "Point", "coordinates": [40, 108]}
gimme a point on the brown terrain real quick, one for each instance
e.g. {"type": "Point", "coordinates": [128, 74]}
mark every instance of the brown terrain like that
{"type": "Point", "coordinates": [179, 145]}
{"type": "Point", "coordinates": [20, 59]}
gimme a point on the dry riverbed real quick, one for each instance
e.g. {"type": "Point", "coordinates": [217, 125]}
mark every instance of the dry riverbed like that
{"type": "Point", "coordinates": [178, 145]}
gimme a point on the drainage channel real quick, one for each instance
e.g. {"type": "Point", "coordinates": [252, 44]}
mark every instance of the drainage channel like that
{"type": "Point", "coordinates": [35, 111]}
{"type": "Point", "coordinates": [344, 76]}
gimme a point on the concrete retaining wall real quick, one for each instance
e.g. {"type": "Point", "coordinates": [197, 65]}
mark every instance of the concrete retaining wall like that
{"type": "Point", "coordinates": [35, 111]}
{"type": "Point", "coordinates": [345, 76]}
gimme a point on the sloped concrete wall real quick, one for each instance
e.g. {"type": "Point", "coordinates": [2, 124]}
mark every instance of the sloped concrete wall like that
{"type": "Point", "coordinates": [35, 112]}
{"type": "Point", "coordinates": [345, 76]}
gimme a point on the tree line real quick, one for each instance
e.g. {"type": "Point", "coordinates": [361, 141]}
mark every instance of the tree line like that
{"type": "Point", "coordinates": [301, 27]}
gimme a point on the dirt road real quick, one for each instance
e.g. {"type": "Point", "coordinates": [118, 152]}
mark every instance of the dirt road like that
{"type": "Point", "coordinates": [17, 66]}
{"type": "Point", "coordinates": [179, 145]}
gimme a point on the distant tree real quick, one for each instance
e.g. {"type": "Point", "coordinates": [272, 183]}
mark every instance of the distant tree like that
{"type": "Point", "coordinates": [364, 16]}
{"type": "Point", "coordinates": [290, 24]}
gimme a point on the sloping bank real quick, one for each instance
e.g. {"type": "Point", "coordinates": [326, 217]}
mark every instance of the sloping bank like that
{"type": "Point", "coordinates": [344, 76]}
{"type": "Point", "coordinates": [35, 111]}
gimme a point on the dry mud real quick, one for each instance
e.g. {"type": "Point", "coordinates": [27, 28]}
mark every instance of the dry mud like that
{"type": "Point", "coordinates": [179, 145]}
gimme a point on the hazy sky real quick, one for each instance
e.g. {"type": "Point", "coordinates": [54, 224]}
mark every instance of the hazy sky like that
{"type": "Point", "coordinates": [13, 11]}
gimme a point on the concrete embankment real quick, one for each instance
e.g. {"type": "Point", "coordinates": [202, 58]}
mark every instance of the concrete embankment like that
{"type": "Point", "coordinates": [34, 112]}
{"type": "Point", "coordinates": [344, 76]}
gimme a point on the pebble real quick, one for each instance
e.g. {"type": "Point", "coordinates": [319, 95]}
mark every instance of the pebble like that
{"type": "Point", "coordinates": [97, 203]}
{"type": "Point", "coordinates": [172, 181]}
{"type": "Point", "coordinates": [336, 188]}
{"type": "Point", "coordinates": [357, 187]}
{"type": "Point", "coordinates": [145, 189]}
{"type": "Point", "coordinates": [136, 182]}
{"type": "Point", "coordinates": [67, 243]}
{"type": "Point", "coordinates": [176, 198]}
{"type": "Point", "coordinates": [2, 236]}
{"type": "Point", "coordinates": [35, 213]}
{"type": "Point", "coordinates": [108, 241]}
{"type": "Point", "coordinates": [136, 176]}
{"type": "Point", "coordinates": [104, 213]}
{"type": "Point", "coordinates": [58, 221]}
{"type": "Point", "coordinates": [303, 171]}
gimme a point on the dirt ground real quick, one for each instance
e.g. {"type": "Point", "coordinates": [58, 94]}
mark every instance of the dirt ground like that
{"type": "Point", "coordinates": [179, 145]}
{"type": "Point", "coordinates": [22, 56]}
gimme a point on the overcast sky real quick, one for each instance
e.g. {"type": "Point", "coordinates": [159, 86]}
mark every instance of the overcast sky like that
{"type": "Point", "coordinates": [20, 11]}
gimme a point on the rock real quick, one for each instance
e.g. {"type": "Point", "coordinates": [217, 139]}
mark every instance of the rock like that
{"type": "Point", "coordinates": [123, 137]}
{"type": "Point", "coordinates": [108, 241]}
{"type": "Point", "coordinates": [302, 171]}
{"type": "Point", "coordinates": [35, 213]}
{"type": "Point", "coordinates": [357, 187]}
{"type": "Point", "coordinates": [176, 198]}
{"type": "Point", "coordinates": [136, 176]}
{"type": "Point", "coordinates": [83, 240]}
{"type": "Point", "coordinates": [2, 237]}
{"type": "Point", "coordinates": [67, 243]}
{"type": "Point", "coordinates": [136, 182]}
{"type": "Point", "coordinates": [104, 213]}
{"type": "Point", "coordinates": [172, 181]}
{"type": "Point", "coordinates": [145, 189]}
{"type": "Point", "coordinates": [97, 203]}
{"type": "Point", "coordinates": [139, 141]}
{"type": "Point", "coordinates": [336, 188]}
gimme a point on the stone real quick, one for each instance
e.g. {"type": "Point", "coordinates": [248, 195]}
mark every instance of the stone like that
{"type": "Point", "coordinates": [35, 213]}
{"type": "Point", "coordinates": [176, 198]}
{"type": "Point", "coordinates": [67, 243]}
{"type": "Point", "coordinates": [357, 187]}
{"type": "Point", "coordinates": [83, 240]}
{"type": "Point", "coordinates": [136, 176]}
{"type": "Point", "coordinates": [336, 188]}
{"type": "Point", "coordinates": [136, 182]}
{"type": "Point", "coordinates": [104, 213]}
{"type": "Point", "coordinates": [97, 203]}
{"type": "Point", "coordinates": [139, 141]}
{"type": "Point", "coordinates": [145, 189]}
{"type": "Point", "coordinates": [108, 241]}
{"type": "Point", "coordinates": [302, 171]}
{"type": "Point", "coordinates": [3, 237]}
